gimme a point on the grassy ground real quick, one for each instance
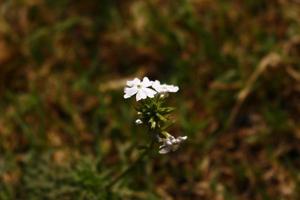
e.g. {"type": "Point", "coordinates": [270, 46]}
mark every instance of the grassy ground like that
{"type": "Point", "coordinates": [65, 130]}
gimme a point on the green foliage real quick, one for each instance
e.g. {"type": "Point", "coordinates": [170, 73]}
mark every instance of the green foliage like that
{"type": "Point", "coordinates": [154, 112]}
{"type": "Point", "coordinates": [42, 179]}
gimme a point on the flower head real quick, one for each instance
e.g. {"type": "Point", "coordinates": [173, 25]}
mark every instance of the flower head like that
{"type": "Point", "coordinates": [139, 88]}
{"type": "Point", "coordinates": [161, 88]}
{"type": "Point", "coordinates": [170, 143]}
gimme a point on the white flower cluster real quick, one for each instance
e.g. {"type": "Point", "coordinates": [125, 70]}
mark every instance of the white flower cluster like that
{"type": "Point", "coordinates": [146, 88]}
{"type": "Point", "coordinates": [170, 143]}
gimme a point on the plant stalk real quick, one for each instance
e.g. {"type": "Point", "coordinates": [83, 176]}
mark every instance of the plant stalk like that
{"type": "Point", "coordinates": [131, 166]}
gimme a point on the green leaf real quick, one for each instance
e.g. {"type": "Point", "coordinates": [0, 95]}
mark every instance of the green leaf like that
{"type": "Point", "coordinates": [167, 110]}
{"type": "Point", "coordinates": [152, 123]}
{"type": "Point", "coordinates": [161, 117]}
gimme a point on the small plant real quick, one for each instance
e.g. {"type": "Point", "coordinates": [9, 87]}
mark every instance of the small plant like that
{"type": "Point", "coordinates": [154, 114]}
{"type": "Point", "coordinates": [152, 111]}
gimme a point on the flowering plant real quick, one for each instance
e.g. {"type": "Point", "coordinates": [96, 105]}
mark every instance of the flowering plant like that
{"type": "Point", "coordinates": [152, 111]}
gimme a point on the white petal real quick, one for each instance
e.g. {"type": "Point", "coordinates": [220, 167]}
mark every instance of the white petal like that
{"type": "Point", "coordinates": [146, 82]}
{"type": "Point", "coordinates": [140, 95]}
{"type": "Point", "coordinates": [165, 150]}
{"type": "Point", "coordinates": [156, 83]}
{"type": "Point", "coordinates": [126, 96]}
{"type": "Point", "coordinates": [130, 89]}
{"type": "Point", "coordinates": [172, 88]}
{"type": "Point", "coordinates": [133, 82]}
{"type": "Point", "coordinates": [173, 141]}
{"type": "Point", "coordinates": [129, 92]}
{"type": "Point", "coordinates": [175, 89]}
{"type": "Point", "coordinates": [157, 86]}
{"type": "Point", "coordinates": [164, 88]}
{"type": "Point", "coordinates": [149, 92]}
{"type": "Point", "coordinates": [144, 94]}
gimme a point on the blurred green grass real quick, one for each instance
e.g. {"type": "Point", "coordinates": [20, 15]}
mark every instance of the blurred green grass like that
{"type": "Point", "coordinates": [65, 130]}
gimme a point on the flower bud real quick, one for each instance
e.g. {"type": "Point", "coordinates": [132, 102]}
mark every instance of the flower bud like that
{"type": "Point", "coordinates": [138, 121]}
{"type": "Point", "coordinates": [182, 138]}
{"type": "Point", "coordinates": [163, 95]}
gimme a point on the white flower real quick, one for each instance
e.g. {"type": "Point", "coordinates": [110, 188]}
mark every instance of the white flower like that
{"type": "Point", "coordinates": [164, 87]}
{"type": "Point", "coordinates": [170, 143]}
{"type": "Point", "coordinates": [140, 88]}
{"type": "Point", "coordinates": [138, 121]}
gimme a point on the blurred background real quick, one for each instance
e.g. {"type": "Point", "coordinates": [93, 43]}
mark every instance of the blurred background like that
{"type": "Point", "coordinates": [65, 129]}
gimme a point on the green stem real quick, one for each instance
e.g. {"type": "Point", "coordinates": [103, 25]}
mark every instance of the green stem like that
{"type": "Point", "coordinates": [131, 166]}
